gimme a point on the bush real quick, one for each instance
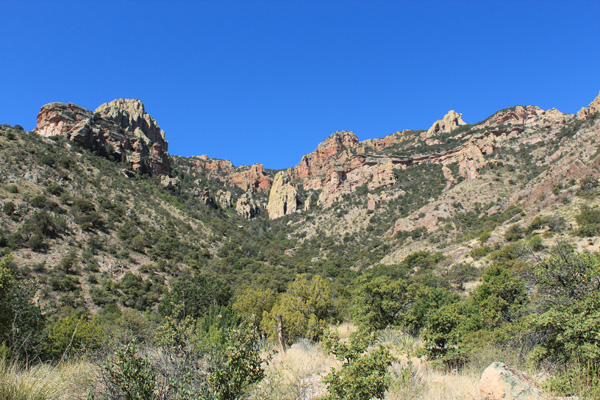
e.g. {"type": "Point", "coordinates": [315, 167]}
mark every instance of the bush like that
{"type": "Point", "coordinates": [9, 208]}
{"type": "Point", "coordinates": [73, 335]}
{"type": "Point", "coordinates": [196, 294]}
{"type": "Point", "coordinates": [589, 223]}
{"type": "Point", "coordinates": [364, 373]}
{"type": "Point", "coordinates": [129, 376]}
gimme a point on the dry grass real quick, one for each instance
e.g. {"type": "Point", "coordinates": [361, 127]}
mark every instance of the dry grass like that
{"type": "Point", "coordinates": [67, 381]}
{"type": "Point", "coordinates": [295, 374]}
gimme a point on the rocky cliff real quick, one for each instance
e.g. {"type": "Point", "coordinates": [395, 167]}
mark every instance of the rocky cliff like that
{"type": "Point", "coordinates": [121, 129]}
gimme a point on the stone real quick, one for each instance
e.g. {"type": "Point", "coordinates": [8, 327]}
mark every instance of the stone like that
{"type": "Point", "coordinates": [470, 160]}
{"type": "Point", "coordinates": [283, 197]}
{"type": "Point", "coordinates": [120, 129]}
{"type": "Point", "coordinates": [594, 107]}
{"type": "Point", "coordinates": [247, 207]}
{"type": "Point", "coordinates": [224, 199]}
{"type": "Point", "coordinates": [499, 382]}
{"type": "Point", "coordinates": [450, 180]}
{"type": "Point", "coordinates": [170, 183]}
{"type": "Point", "coordinates": [451, 121]}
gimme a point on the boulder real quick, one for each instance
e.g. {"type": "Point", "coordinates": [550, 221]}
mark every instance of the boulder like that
{"type": "Point", "coordinates": [499, 382]}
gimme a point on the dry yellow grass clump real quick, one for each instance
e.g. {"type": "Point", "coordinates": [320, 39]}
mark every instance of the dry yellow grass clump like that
{"type": "Point", "coordinates": [66, 381]}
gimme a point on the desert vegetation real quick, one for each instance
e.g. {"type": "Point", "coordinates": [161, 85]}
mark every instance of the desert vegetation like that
{"type": "Point", "coordinates": [116, 286]}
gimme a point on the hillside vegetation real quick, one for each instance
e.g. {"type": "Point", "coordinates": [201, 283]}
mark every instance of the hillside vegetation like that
{"type": "Point", "coordinates": [441, 251]}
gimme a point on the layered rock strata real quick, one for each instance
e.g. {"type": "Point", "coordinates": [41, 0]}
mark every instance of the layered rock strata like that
{"type": "Point", "coordinates": [121, 129]}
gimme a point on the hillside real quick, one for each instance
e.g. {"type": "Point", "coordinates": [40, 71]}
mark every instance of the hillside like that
{"type": "Point", "coordinates": [347, 206]}
{"type": "Point", "coordinates": [100, 218]}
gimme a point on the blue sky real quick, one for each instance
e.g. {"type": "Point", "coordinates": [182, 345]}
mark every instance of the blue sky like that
{"type": "Point", "coordinates": [267, 81]}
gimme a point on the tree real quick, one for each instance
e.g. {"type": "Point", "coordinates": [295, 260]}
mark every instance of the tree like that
{"type": "Point", "coordinates": [567, 299]}
{"type": "Point", "coordinates": [196, 295]}
{"type": "Point", "coordinates": [254, 302]}
{"type": "Point", "coordinates": [305, 307]}
{"type": "Point", "coordinates": [73, 334]}
{"type": "Point", "coordinates": [379, 301]}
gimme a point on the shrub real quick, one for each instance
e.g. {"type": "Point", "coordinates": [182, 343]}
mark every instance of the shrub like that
{"type": "Point", "coordinates": [9, 208]}
{"type": "Point", "coordinates": [72, 335]}
{"type": "Point", "coordinates": [196, 295]}
{"type": "Point", "coordinates": [129, 376]}
{"type": "Point", "coordinates": [364, 373]}
{"type": "Point", "coordinates": [589, 223]}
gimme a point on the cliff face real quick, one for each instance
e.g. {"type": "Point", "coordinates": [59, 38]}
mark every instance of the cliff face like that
{"type": "Point", "coordinates": [120, 128]}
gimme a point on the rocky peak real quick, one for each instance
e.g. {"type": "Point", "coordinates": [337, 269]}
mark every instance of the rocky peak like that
{"type": "Point", "coordinates": [594, 107]}
{"type": "Point", "coordinates": [338, 141]}
{"type": "Point", "coordinates": [525, 115]}
{"type": "Point", "coordinates": [131, 116]}
{"type": "Point", "coordinates": [120, 128]}
{"type": "Point", "coordinates": [451, 121]}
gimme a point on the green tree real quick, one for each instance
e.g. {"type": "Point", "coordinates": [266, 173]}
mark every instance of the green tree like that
{"type": "Point", "coordinates": [254, 302]}
{"type": "Point", "coordinates": [237, 363]}
{"type": "Point", "coordinates": [305, 308]}
{"type": "Point", "coordinates": [379, 301]}
{"type": "Point", "coordinates": [196, 294]}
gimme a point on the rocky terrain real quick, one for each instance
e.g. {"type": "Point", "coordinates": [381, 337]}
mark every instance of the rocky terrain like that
{"type": "Point", "coordinates": [349, 203]}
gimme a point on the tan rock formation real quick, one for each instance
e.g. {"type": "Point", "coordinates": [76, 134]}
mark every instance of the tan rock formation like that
{"type": "Point", "coordinates": [470, 160]}
{"type": "Point", "coordinates": [525, 115]}
{"type": "Point", "coordinates": [499, 382]}
{"type": "Point", "coordinates": [247, 207]}
{"type": "Point", "coordinates": [450, 180]}
{"type": "Point", "coordinates": [170, 183]}
{"type": "Point", "coordinates": [131, 116]}
{"type": "Point", "coordinates": [451, 121]}
{"type": "Point", "coordinates": [134, 137]}
{"type": "Point", "coordinates": [224, 199]}
{"type": "Point", "coordinates": [283, 197]}
{"type": "Point", "coordinates": [252, 179]}
{"type": "Point", "coordinates": [594, 107]}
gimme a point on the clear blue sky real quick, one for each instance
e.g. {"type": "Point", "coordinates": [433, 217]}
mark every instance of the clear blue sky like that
{"type": "Point", "coordinates": [266, 81]}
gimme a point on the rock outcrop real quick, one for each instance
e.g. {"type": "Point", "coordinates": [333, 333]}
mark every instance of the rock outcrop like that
{"type": "Point", "coordinates": [169, 183]}
{"type": "Point", "coordinates": [283, 198]}
{"type": "Point", "coordinates": [224, 199]}
{"type": "Point", "coordinates": [450, 180]}
{"type": "Point", "coordinates": [499, 382]}
{"type": "Point", "coordinates": [247, 207]}
{"type": "Point", "coordinates": [120, 129]}
{"type": "Point", "coordinates": [525, 115]}
{"type": "Point", "coordinates": [470, 160]}
{"type": "Point", "coordinates": [594, 107]}
{"type": "Point", "coordinates": [252, 179]}
{"type": "Point", "coordinates": [451, 121]}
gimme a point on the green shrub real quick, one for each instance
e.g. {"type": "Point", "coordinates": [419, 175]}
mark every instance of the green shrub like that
{"type": "Point", "coordinates": [130, 376]}
{"type": "Point", "coordinates": [196, 294]}
{"type": "Point", "coordinates": [589, 223]}
{"type": "Point", "coordinates": [73, 335]}
{"type": "Point", "coordinates": [9, 208]}
{"type": "Point", "coordinates": [305, 308]}
{"type": "Point", "coordinates": [364, 373]}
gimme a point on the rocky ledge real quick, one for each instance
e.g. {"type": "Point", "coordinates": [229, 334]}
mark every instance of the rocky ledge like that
{"type": "Point", "coordinates": [121, 129]}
